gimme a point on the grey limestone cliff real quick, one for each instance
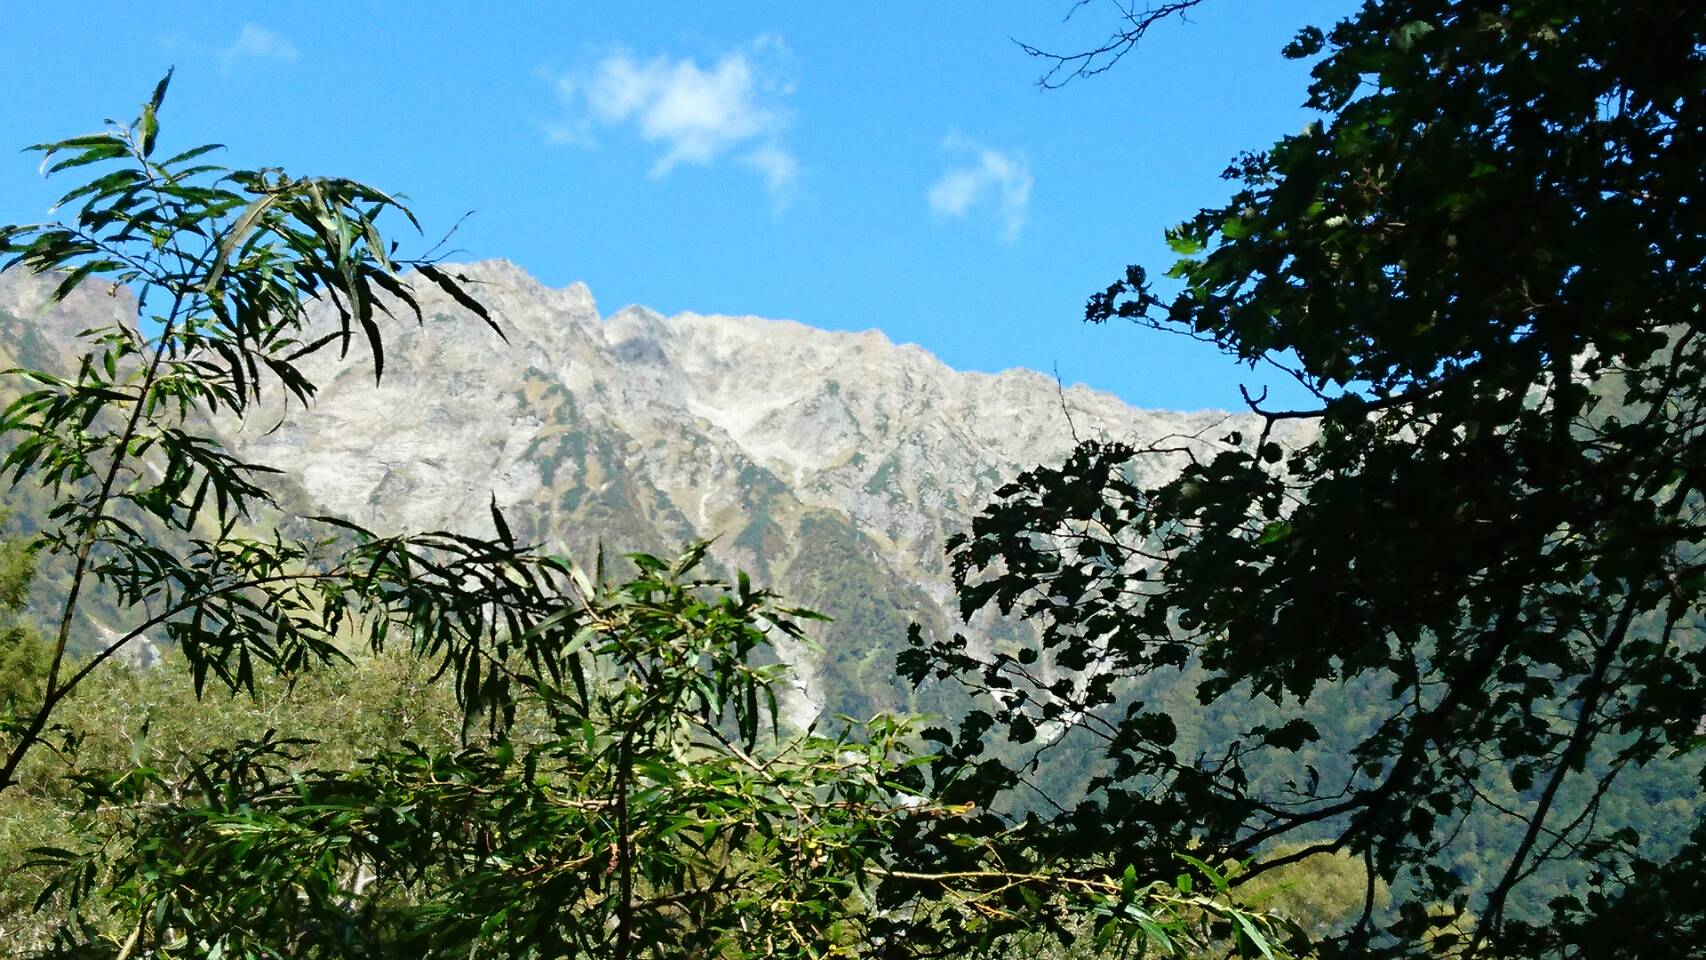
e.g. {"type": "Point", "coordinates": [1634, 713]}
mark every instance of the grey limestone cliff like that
{"type": "Point", "coordinates": [832, 466]}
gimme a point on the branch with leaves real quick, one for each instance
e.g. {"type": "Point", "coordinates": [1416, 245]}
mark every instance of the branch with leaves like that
{"type": "Point", "coordinates": [1466, 604]}
{"type": "Point", "coordinates": [229, 272]}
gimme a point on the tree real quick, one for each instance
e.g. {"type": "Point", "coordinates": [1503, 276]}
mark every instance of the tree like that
{"type": "Point", "coordinates": [633, 808]}
{"type": "Point", "coordinates": [21, 657]}
{"type": "Point", "coordinates": [620, 800]}
{"type": "Point", "coordinates": [1484, 264]}
{"type": "Point", "coordinates": [627, 815]}
{"type": "Point", "coordinates": [224, 267]}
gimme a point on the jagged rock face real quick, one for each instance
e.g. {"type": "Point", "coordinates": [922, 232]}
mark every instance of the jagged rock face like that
{"type": "Point", "coordinates": [832, 466]}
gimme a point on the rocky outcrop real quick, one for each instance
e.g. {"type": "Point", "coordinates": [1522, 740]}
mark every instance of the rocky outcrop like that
{"type": "Point", "coordinates": [832, 466]}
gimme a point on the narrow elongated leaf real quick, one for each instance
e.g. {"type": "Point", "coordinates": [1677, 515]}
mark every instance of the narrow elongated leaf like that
{"type": "Point", "coordinates": [148, 128]}
{"type": "Point", "coordinates": [460, 295]}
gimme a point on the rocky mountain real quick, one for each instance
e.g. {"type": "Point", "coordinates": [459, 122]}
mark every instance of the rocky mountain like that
{"type": "Point", "coordinates": [832, 466]}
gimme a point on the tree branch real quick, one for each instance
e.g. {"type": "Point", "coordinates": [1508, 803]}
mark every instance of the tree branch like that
{"type": "Point", "coordinates": [1064, 68]}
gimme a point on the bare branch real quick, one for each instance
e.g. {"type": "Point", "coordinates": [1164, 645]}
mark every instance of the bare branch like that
{"type": "Point", "coordinates": [1134, 23]}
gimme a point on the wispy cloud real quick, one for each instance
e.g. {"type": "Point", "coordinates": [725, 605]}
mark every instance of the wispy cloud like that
{"type": "Point", "coordinates": [258, 43]}
{"type": "Point", "coordinates": [780, 170]}
{"type": "Point", "coordinates": [983, 179]}
{"type": "Point", "coordinates": [732, 108]}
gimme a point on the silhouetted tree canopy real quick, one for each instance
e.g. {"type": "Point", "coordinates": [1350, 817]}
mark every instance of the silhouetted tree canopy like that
{"type": "Point", "coordinates": [1465, 581]}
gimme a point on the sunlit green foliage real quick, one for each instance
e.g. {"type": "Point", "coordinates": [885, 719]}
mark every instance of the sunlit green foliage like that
{"type": "Point", "coordinates": [22, 659]}
{"type": "Point", "coordinates": [224, 267]}
{"type": "Point", "coordinates": [124, 718]}
{"type": "Point", "coordinates": [293, 823]}
{"type": "Point", "coordinates": [626, 812]}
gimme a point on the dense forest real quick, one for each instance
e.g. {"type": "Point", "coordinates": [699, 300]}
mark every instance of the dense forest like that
{"type": "Point", "coordinates": [1415, 669]}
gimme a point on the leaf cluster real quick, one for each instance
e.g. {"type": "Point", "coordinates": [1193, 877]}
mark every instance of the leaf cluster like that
{"type": "Point", "coordinates": [236, 277]}
{"type": "Point", "coordinates": [1485, 265]}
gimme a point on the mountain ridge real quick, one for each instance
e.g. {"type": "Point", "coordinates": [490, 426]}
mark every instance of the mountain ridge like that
{"type": "Point", "coordinates": [833, 465]}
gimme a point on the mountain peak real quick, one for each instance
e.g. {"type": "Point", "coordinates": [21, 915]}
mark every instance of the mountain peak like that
{"type": "Point", "coordinates": [506, 274]}
{"type": "Point", "coordinates": [831, 465]}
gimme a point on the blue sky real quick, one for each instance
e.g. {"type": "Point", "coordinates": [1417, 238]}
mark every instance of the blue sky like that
{"type": "Point", "coordinates": [848, 165]}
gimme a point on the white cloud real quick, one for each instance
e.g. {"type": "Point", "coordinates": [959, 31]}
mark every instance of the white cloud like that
{"type": "Point", "coordinates": [780, 169]}
{"type": "Point", "coordinates": [984, 179]}
{"type": "Point", "coordinates": [692, 114]}
{"type": "Point", "coordinates": [258, 43]}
